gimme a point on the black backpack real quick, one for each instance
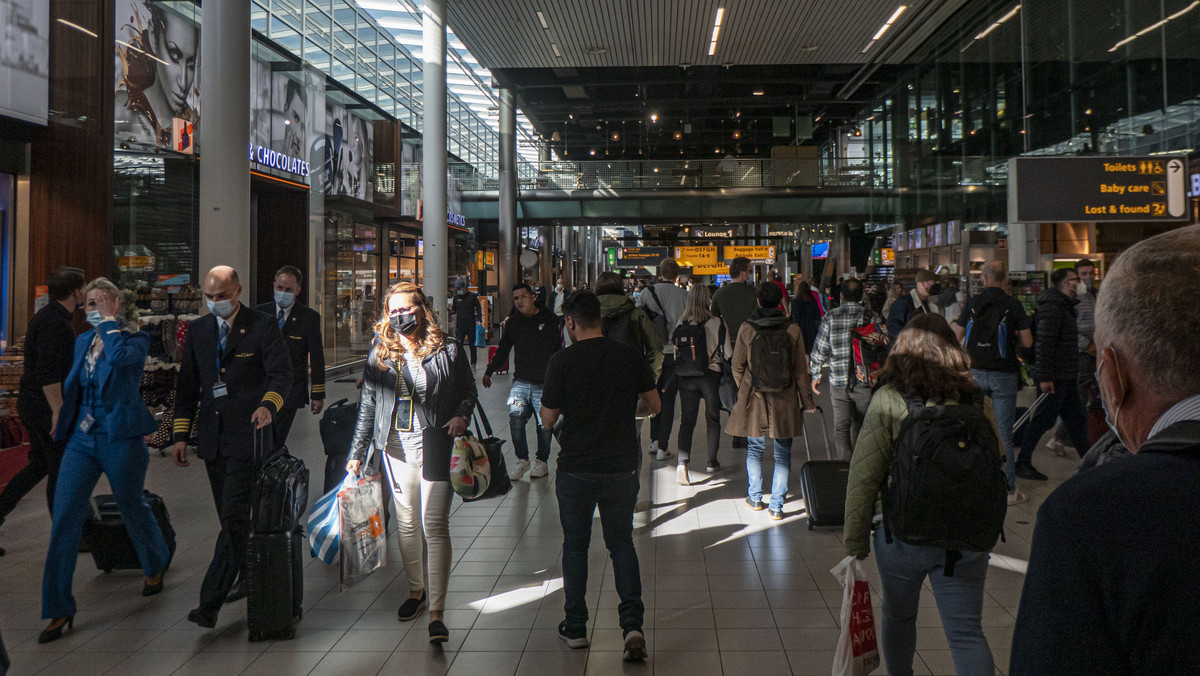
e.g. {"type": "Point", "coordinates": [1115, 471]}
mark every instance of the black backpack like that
{"type": "Point", "coordinates": [337, 427]}
{"type": "Point", "coordinates": [771, 360]}
{"type": "Point", "coordinates": [620, 328]}
{"type": "Point", "coordinates": [989, 337]}
{"type": "Point", "coordinates": [946, 486]}
{"type": "Point", "coordinates": [281, 495]}
{"type": "Point", "coordinates": [691, 349]}
{"type": "Point", "coordinates": [658, 319]}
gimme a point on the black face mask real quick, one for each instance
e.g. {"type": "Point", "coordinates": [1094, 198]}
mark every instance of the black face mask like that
{"type": "Point", "coordinates": [935, 290]}
{"type": "Point", "coordinates": [405, 324]}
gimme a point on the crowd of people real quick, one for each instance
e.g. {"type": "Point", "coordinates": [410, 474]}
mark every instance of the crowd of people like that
{"type": "Point", "coordinates": [1109, 582]}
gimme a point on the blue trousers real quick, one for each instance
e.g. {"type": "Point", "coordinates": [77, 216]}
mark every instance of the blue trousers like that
{"type": "Point", "coordinates": [124, 461]}
{"type": "Point", "coordinates": [783, 467]}
{"type": "Point", "coordinates": [1002, 388]}
{"type": "Point", "coordinates": [525, 402]}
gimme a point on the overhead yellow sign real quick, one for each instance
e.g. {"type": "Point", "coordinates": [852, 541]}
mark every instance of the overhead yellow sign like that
{"type": "Point", "coordinates": [756, 254]}
{"type": "Point", "coordinates": [695, 255]}
{"type": "Point", "coordinates": [490, 258]}
{"type": "Point", "coordinates": [712, 269]}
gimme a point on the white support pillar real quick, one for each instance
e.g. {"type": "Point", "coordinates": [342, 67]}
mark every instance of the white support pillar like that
{"type": "Point", "coordinates": [507, 267]}
{"type": "Point", "coordinates": [225, 135]}
{"type": "Point", "coordinates": [433, 164]}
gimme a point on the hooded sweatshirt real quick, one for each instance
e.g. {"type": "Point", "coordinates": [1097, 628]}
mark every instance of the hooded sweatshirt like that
{"type": "Point", "coordinates": [612, 306]}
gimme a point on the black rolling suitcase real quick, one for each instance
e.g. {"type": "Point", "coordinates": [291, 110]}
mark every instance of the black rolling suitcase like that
{"type": "Point", "coordinates": [823, 483]}
{"type": "Point", "coordinates": [274, 565]}
{"type": "Point", "coordinates": [105, 533]}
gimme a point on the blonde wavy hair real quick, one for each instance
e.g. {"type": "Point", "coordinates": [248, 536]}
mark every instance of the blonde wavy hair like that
{"type": "Point", "coordinates": [105, 285]}
{"type": "Point", "coordinates": [389, 347]}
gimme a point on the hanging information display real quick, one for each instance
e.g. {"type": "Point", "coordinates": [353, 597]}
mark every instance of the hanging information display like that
{"type": "Point", "coordinates": [1108, 189]}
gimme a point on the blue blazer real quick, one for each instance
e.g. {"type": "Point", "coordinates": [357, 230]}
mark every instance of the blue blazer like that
{"type": "Point", "coordinates": [119, 371]}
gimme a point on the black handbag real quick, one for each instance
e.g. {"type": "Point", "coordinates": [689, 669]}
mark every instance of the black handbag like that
{"type": "Point", "coordinates": [728, 387]}
{"type": "Point", "coordinates": [498, 484]}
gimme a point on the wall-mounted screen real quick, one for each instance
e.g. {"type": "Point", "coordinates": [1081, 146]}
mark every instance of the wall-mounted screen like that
{"type": "Point", "coordinates": [25, 59]}
{"type": "Point", "coordinates": [820, 250]}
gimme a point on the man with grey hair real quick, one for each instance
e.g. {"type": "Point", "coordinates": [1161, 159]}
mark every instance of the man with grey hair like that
{"type": "Point", "coordinates": [1110, 587]}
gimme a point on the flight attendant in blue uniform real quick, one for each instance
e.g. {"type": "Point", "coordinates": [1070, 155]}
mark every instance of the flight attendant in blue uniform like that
{"type": "Point", "coordinates": [104, 419]}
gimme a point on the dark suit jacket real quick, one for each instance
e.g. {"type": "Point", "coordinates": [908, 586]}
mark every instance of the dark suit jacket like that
{"type": "Point", "coordinates": [256, 371]}
{"type": "Point", "coordinates": [119, 371]}
{"type": "Point", "coordinates": [302, 335]}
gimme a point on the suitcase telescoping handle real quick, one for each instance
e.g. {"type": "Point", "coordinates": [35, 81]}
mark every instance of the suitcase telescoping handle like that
{"type": "Point", "coordinates": [824, 435]}
{"type": "Point", "coordinates": [1030, 411]}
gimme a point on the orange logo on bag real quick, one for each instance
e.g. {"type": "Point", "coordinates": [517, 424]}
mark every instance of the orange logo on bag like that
{"type": "Point", "coordinates": [376, 523]}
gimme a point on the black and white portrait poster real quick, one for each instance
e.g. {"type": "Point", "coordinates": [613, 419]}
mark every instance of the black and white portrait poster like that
{"type": "Point", "coordinates": [157, 74]}
{"type": "Point", "coordinates": [349, 154]}
{"type": "Point", "coordinates": [25, 59]}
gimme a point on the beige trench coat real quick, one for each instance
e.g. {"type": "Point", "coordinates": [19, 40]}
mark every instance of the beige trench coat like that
{"type": "Point", "coordinates": [778, 415]}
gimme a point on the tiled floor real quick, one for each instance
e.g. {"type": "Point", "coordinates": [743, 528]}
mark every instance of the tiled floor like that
{"type": "Point", "coordinates": [726, 590]}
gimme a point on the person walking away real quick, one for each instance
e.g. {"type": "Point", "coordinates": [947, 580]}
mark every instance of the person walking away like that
{"type": "Point", "coordinates": [104, 418]}
{"type": "Point", "coordinates": [300, 327]}
{"type": "Point", "coordinates": [806, 313]}
{"type": "Point", "coordinates": [733, 303]}
{"type": "Point", "coordinates": [921, 299]}
{"type": "Point", "coordinates": [467, 313]}
{"type": "Point", "coordinates": [598, 463]}
{"type": "Point", "coordinates": [418, 394]}
{"type": "Point", "coordinates": [234, 362]}
{"type": "Point", "coordinates": [666, 301]}
{"type": "Point", "coordinates": [535, 335]}
{"type": "Point", "coordinates": [771, 369]}
{"type": "Point", "coordinates": [48, 340]}
{"type": "Point", "coordinates": [773, 276]}
{"type": "Point", "coordinates": [625, 323]}
{"type": "Point", "coordinates": [833, 349]}
{"type": "Point", "coordinates": [1108, 589]}
{"type": "Point", "coordinates": [698, 368]}
{"type": "Point", "coordinates": [991, 327]}
{"type": "Point", "coordinates": [927, 367]}
{"type": "Point", "coordinates": [1056, 370]}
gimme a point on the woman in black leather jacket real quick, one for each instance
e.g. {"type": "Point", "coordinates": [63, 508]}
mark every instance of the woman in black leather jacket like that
{"type": "Point", "coordinates": [418, 393]}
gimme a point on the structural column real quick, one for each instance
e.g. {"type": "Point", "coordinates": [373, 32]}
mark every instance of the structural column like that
{"type": "Point", "coordinates": [508, 201]}
{"type": "Point", "coordinates": [546, 261]}
{"type": "Point", "coordinates": [569, 258]}
{"type": "Point", "coordinates": [433, 163]}
{"type": "Point", "coordinates": [225, 135]}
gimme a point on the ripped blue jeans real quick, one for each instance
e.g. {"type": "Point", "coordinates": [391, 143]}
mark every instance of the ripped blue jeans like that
{"type": "Point", "coordinates": [525, 402]}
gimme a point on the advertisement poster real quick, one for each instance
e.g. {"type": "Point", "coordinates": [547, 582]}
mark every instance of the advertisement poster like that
{"type": "Point", "coordinates": [157, 75]}
{"type": "Point", "coordinates": [349, 150]}
{"type": "Point", "coordinates": [25, 59]}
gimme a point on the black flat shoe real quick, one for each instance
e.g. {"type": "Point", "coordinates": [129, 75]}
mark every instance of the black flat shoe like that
{"type": "Point", "coordinates": [53, 633]}
{"type": "Point", "coordinates": [755, 505]}
{"type": "Point", "coordinates": [776, 514]}
{"type": "Point", "coordinates": [237, 592]}
{"type": "Point", "coordinates": [152, 589]}
{"type": "Point", "coordinates": [204, 618]}
{"type": "Point", "coordinates": [438, 633]}
{"type": "Point", "coordinates": [411, 608]}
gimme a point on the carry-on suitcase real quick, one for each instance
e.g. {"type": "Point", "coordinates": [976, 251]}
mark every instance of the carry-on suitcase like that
{"type": "Point", "coordinates": [1024, 415]}
{"type": "Point", "coordinates": [105, 533]}
{"type": "Point", "coordinates": [274, 565]}
{"type": "Point", "coordinates": [491, 355]}
{"type": "Point", "coordinates": [823, 483]}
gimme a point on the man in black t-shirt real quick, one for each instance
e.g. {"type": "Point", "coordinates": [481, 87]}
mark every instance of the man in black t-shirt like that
{"type": "Point", "coordinates": [994, 363]}
{"type": "Point", "coordinates": [599, 387]}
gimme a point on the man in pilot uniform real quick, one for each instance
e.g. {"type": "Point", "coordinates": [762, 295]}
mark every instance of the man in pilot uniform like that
{"type": "Point", "coordinates": [301, 329]}
{"type": "Point", "coordinates": [235, 369]}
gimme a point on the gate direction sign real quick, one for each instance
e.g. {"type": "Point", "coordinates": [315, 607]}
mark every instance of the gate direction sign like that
{"type": "Point", "coordinates": [1107, 189]}
{"type": "Point", "coordinates": [695, 255]}
{"type": "Point", "coordinates": [638, 256]}
{"type": "Point", "coordinates": [756, 254]}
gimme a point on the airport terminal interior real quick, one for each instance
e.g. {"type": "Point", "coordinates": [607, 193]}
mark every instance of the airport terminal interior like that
{"type": "Point", "coordinates": [467, 147]}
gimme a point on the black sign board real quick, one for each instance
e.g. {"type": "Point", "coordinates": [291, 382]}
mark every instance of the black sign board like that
{"type": "Point", "coordinates": [1107, 189]}
{"type": "Point", "coordinates": [635, 256]}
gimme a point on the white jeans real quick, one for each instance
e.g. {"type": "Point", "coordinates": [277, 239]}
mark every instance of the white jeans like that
{"type": "Point", "coordinates": [422, 509]}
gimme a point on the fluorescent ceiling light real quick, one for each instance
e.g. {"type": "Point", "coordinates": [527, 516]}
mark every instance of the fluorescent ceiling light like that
{"type": "Point", "coordinates": [554, 46]}
{"type": "Point", "coordinates": [1154, 26]}
{"type": "Point", "coordinates": [758, 92]}
{"type": "Point", "coordinates": [712, 44]}
{"type": "Point", "coordinates": [1011, 13]}
{"type": "Point", "coordinates": [542, 19]}
{"type": "Point", "coordinates": [886, 25]}
{"type": "Point", "coordinates": [77, 27]}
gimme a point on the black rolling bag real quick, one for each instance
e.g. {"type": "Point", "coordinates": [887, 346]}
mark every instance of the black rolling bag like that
{"type": "Point", "coordinates": [274, 564]}
{"type": "Point", "coordinates": [823, 483]}
{"type": "Point", "coordinates": [105, 533]}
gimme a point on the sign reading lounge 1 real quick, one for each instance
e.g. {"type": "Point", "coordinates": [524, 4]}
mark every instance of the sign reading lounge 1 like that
{"type": "Point", "coordinates": [1109, 189]}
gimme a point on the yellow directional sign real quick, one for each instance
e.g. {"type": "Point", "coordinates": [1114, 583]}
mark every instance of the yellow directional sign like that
{"type": "Point", "coordinates": [695, 255]}
{"type": "Point", "coordinates": [756, 254]}
{"type": "Point", "coordinates": [712, 269]}
{"type": "Point", "coordinates": [490, 258]}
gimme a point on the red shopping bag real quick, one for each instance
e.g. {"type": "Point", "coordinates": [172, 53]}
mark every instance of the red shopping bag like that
{"type": "Point", "coordinates": [857, 650]}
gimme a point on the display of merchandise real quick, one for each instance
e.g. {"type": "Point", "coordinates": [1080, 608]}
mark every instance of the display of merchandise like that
{"type": "Point", "coordinates": [1026, 286]}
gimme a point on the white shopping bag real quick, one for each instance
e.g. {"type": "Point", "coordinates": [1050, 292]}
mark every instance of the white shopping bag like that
{"type": "Point", "coordinates": [857, 652]}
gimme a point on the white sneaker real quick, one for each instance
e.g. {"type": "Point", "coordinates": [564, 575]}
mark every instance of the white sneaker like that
{"type": "Point", "coordinates": [539, 469]}
{"type": "Point", "coordinates": [681, 475]}
{"type": "Point", "coordinates": [654, 448]}
{"type": "Point", "coordinates": [519, 471]}
{"type": "Point", "coordinates": [663, 454]}
{"type": "Point", "coordinates": [1058, 448]}
{"type": "Point", "coordinates": [1016, 498]}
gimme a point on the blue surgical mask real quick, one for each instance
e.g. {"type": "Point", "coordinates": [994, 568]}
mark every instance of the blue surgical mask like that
{"type": "Point", "coordinates": [221, 308]}
{"type": "Point", "coordinates": [284, 299]}
{"type": "Point", "coordinates": [1110, 420]}
{"type": "Point", "coordinates": [94, 318]}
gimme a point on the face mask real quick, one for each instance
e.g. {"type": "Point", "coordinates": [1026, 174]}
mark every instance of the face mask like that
{"type": "Point", "coordinates": [935, 290]}
{"type": "Point", "coordinates": [1081, 288]}
{"type": "Point", "coordinates": [221, 308]}
{"type": "Point", "coordinates": [1112, 420]}
{"type": "Point", "coordinates": [94, 318]}
{"type": "Point", "coordinates": [404, 324]}
{"type": "Point", "coordinates": [284, 299]}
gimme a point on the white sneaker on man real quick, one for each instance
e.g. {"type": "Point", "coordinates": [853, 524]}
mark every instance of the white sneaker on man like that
{"type": "Point", "coordinates": [1058, 448]}
{"type": "Point", "coordinates": [1016, 498]}
{"type": "Point", "coordinates": [681, 475]}
{"type": "Point", "coordinates": [539, 469]}
{"type": "Point", "coordinates": [519, 470]}
{"type": "Point", "coordinates": [654, 448]}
